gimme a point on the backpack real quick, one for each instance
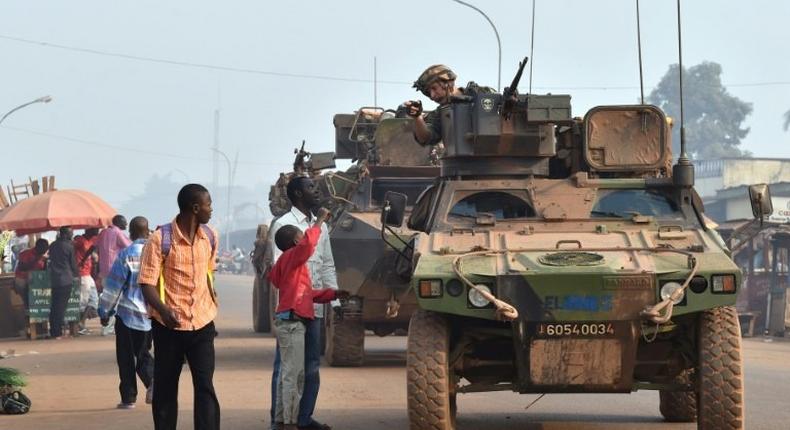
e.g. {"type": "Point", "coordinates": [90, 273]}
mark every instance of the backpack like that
{"type": "Point", "coordinates": [167, 243]}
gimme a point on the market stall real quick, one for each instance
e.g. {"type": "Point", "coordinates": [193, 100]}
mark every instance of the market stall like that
{"type": "Point", "coordinates": [48, 211]}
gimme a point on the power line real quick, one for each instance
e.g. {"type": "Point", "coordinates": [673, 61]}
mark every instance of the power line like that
{"type": "Point", "coordinates": [125, 148]}
{"type": "Point", "coordinates": [319, 77]}
{"type": "Point", "coordinates": [196, 65]}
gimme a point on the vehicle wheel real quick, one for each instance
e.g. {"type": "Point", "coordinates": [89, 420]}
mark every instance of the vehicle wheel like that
{"type": "Point", "coordinates": [430, 390]}
{"type": "Point", "coordinates": [345, 341]}
{"type": "Point", "coordinates": [261, 317]}
{"type": "Point", "coordinates": [679, 406]}
{"type": "Point", "coordinates": [720, 371]}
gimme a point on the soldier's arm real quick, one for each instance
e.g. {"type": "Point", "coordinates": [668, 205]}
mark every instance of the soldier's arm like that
{"type": "Point", "coordinates": [421, 131]}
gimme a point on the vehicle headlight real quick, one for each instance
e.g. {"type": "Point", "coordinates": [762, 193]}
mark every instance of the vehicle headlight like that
{"type": "Point", "coordinates": [669, 288]}
{"type": "Point", "coordinates": [454, 287]}
{"type": "Point", "coordinates": [476, 299]}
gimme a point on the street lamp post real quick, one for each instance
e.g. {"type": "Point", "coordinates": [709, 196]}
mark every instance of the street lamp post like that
{"type": "Point", "coordinates": [498, 42]}
{"type": "Point", "coordinates": [45, 99]}
{"type": "Point", "coordinates": [230, 180]}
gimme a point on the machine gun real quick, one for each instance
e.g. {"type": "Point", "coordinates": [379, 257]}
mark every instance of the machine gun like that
{"type": "Point", "coordinates": [308, 164]}
{"type": "Point", "coordinates": [510, 94]}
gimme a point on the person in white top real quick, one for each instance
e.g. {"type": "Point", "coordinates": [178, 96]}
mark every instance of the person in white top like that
{"type": "Point", "coordinates": [304, 196]}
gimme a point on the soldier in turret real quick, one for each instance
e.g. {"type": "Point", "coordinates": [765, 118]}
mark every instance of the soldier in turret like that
{"type": "Point", "coordinates": [437, 82]}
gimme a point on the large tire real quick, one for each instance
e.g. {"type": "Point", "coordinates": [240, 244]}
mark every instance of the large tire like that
{"type": "Point", "coordinates": [261, 315]}
{"type": "Point", "coordinates": [345, 341]}
{"type": "Point", "coordinates": [720, 371]}
{"type": "Point", "coordinates": [429, 384]}
{"type": "Point", "coordinates": [679, 406]}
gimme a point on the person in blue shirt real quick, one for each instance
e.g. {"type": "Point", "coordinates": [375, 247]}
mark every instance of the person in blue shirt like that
{"type": "Point", "coordinates": [123, 298]}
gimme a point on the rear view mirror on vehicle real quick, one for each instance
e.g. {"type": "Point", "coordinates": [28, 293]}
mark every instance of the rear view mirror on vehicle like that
{"type": "Point", "coordinates": [394, 209]}
{"type": "Point", "coordinates": [760, 197]}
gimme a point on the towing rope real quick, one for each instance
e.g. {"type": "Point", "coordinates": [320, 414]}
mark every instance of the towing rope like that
{"type": "Point", "coordinates": [653, 313]}
{"type": "Point", "coordinates": [506, 311]}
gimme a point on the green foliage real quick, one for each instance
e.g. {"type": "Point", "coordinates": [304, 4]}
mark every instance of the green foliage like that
{"type": "Point", "coordinates": [157, 202]}
{"type": "Point", "coordinates": [713, 116]}
{"type": "Point", "coordinates": [11, 377]}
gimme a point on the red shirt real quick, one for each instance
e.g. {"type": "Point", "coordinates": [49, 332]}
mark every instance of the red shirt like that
{"type": "Point", "coordinates": [28, 257]}
{"type": "Point", "coordinates": [81, 247]}
{"type": "Point", "coordinates": [291, 276]}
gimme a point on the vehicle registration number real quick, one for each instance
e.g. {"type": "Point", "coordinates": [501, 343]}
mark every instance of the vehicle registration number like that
{"type": "Point", "coordinates": [592, 329]}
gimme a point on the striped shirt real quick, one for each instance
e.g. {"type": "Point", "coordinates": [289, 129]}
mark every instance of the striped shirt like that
{"type": "Point", "coordinates": [131, 306]}
{"type": "Point", "coordinates": [185, 272]}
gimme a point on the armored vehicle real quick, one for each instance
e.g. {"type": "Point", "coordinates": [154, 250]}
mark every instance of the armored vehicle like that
{"type": "Point", "coordinates": [385, 157]}
{"type": "Point", "coordinates": [567, 255]}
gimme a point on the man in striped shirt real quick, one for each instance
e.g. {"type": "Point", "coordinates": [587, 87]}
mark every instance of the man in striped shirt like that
{"type": "Point", "coordinates": [123, 298]}
{"type": "Point", "coordinates": [175, 275]}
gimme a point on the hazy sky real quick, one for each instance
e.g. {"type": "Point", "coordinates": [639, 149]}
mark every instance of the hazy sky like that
{"type": "Point", "coordinates": [115, 121]}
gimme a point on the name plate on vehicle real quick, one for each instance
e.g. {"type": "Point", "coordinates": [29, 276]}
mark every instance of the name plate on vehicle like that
{"type": "Point", "coordinates": [582, 330]}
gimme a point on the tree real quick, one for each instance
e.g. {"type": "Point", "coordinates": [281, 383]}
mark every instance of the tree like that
{"type": "Point", "coordinates": [713, 116]}
{"type": "Point", "coordinates": [157, 201]}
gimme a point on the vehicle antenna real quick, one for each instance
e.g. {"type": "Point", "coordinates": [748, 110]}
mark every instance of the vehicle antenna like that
{"type": "Point", "coordinates": [535, 401]}
{"type": "Point", "coordinates": [683, 171]}
{"type": "Point", "coordinates": [639, 45]}
{"type": "Point", "coordinates": [532, 47]}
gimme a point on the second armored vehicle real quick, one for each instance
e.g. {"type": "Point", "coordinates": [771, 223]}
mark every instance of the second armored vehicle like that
{"type": "Point", "coordinates": [385, 157]}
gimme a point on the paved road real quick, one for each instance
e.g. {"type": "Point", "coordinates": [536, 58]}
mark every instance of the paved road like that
{"type": "Point", "coordinates": [73, 385]}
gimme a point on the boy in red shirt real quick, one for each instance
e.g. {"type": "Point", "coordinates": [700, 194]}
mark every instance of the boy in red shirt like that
{"type": "Point", "coordinates": [291, 277]}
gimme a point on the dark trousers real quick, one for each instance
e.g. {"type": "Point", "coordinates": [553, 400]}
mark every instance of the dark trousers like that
{"type": "Point", "coordinates": [133, 353]}
{"type": "Point", "coordinates": [170, 348]}
{"type": "Point", "coordinates": [57, 308]}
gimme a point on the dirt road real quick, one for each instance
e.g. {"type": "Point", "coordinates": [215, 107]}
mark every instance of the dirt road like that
{"type": "Point", "coordinates": [73, 385]}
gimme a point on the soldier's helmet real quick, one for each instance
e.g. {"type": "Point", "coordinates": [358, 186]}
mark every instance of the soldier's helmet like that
{"type": "Point", "coordinates": [431, 75]}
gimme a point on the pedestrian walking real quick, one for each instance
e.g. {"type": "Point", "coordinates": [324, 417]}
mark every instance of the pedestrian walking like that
{"type": "Point", "coordinates": [62, 274]}
{"type": "Point", "coordinates": [84, 248]}
{"type": "Point", "coordinates": [109, 243]}
{"type": "Point", "coordinates": [183, 307]}
{"type": "Point", "coordinates": [304, 196]}
{"type": "Point", "coordinates": [123, 300]}
{"type": "Point", "coordinates": [291, 276]}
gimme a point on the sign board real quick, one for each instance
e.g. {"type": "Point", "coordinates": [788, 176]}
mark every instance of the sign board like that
{"type": "Point", "coordinates": [39, 295]}
{"type": "Point", "coordinates": [781, 210]}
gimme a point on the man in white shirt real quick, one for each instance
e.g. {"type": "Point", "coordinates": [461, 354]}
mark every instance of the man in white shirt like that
{"type": "Point", "coordinates": [304, 196]}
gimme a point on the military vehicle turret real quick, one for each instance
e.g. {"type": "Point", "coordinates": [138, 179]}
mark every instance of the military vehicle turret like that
{"type": "Point", "coordinates": [558, 254]}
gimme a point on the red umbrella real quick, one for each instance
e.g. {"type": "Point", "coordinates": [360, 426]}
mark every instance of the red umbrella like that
{"type": "Point", "coordinates": [54, 209]}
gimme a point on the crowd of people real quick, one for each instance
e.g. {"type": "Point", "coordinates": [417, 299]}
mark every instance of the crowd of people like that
{"type": "Point", "coordinates": [157, 288]}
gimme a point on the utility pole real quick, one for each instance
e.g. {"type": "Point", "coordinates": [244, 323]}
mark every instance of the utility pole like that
{"type": "Point", "coordinates": [215, 149]}
{"type": "Point", "coordinates": [498, 42]}
{"type": "Point", "coordinates": [230, 185]}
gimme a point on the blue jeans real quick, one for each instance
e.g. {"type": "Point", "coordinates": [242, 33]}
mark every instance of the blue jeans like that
{"type": "Point", "coordinates": [312, 379]}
